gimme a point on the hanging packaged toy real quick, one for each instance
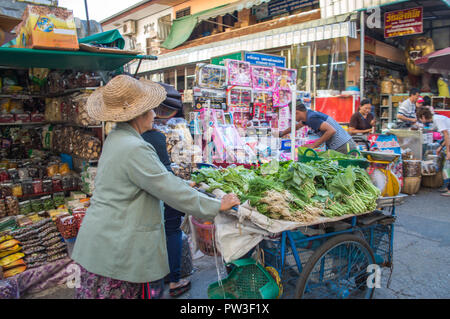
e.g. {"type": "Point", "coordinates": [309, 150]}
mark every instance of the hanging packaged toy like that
{"type": "Point", "coordinates": [281, 97]}
{"type": "Point", "coordinates": [262, 77]}
{"type": "Point", "coordinates": [216, 96]}
{"type": "Point", "coordinates": [284, 78]}
{"type": "Point", "coordinates": [238, 72]}
{"type": "Point", "coordinates": [239, 97]}
{"type": "Point", "coordinates": [265, 98]}
{"type": "Point", "coordinates": [211, 76]}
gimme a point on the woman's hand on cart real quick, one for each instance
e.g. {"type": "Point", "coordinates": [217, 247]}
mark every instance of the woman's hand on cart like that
{"type": "Point", "coordinates": [229, 201]}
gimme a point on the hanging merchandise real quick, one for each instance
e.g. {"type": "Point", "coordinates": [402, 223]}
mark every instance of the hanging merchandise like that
{"type": "Point", "coordinates": [284, 78]}
{"type": "Point", "coordinates": [239, 97]}
{"type": "Point", "coordinates": [216, 97]}
{"type": "Point", "coordinates": [238, 72]}
{"type": "Point", "coordinates": [262, 77]}
{"type": "Point", "coordinates": [211, 76]}
{"type": "Point", "coordinates": [281, 97]}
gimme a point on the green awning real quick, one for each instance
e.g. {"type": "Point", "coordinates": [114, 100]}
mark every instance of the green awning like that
{"type": "Point", "coordinates": [72, 60]}
{"type": "Point", "coordinates": [182, 28]}
{"type": "Point", "coordinates": [111, 38]}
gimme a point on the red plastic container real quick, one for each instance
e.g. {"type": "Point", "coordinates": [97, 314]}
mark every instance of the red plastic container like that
{"type": "Point", "coordinates": [205, 237]}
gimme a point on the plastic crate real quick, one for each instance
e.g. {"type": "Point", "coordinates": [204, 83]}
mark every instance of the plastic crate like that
{"type": "Point", "coordinates": [247, 280]}
{"type": "Point", "coordinates": [205, 236]}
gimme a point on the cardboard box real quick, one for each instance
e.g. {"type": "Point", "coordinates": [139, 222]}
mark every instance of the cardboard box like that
{"type": "Point", "coordinates": [22, 118]}
{"type": "Point", "coordinates": [37, 117]}
{"type": "Point", "coordinates": [47, 28]}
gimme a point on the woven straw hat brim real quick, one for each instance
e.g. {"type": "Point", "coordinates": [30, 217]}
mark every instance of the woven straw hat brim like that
{"type": "Point", "coordinates": [150, 96]}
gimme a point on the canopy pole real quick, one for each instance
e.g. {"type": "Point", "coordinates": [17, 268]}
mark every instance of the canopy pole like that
{"type": "Point", "coordinates": [87, 18]}
{"type": "Point", "coordinates": [293, 122]}
{"type": "Point", "coordinates": [361, 60]}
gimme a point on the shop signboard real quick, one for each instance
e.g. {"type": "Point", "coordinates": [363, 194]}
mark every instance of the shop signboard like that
{"type": "Point", "coordinates": [277, 7]}
{"type": "Point", "coordinates": [220, 60]}
{"type": "Point", "coordinates": [403, 22]}
{"type": "Point", "coordinates": [265, 59]}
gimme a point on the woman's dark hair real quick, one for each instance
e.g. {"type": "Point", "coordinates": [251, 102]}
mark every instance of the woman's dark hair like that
{"type": "Point", "coordinates": [413, 91]}
{"type": "Point", "coordinates": [424, 112]}
{"type": "Point", "coordinates": [426, 101]}
{"type": "Point", "coordinates": [301, 107]}
{"type": "Point", "coordinates": [365, 101]}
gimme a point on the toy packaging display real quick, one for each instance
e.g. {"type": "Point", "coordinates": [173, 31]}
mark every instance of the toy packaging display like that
{"type": "Point", "coordinates": [239, 97]}
{"type": "Point", "coordinates": [262, 77]}
{"type": "Point", "coordinates": [281, 97]}
{"type": "Point", "coordinates": [217, 97]}
{"type": "Point", "coordinates": [238, 72]}
{"type": "Point", "coordinates": [284, 78]}
{"type": "Point", "coordinates": [211, 76]}
{"type": "Point", "coordinates": [263, 97]}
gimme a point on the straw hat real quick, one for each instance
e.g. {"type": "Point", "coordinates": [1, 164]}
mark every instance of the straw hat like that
{"type": "Point", "coordinates": [124, 98]}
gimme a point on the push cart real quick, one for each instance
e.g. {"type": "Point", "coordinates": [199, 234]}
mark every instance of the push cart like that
{"type": "Point", "coordinates": [335, 260]}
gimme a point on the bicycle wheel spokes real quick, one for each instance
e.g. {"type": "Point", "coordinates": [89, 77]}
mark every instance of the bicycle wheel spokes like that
{"type": "Point", "coordinates": [338, 270]}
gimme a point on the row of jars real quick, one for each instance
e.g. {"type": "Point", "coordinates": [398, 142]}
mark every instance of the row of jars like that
{"type": "Point", "coordinates": [30, 186]}
{"type": "Point", "coordinates": [50, 170]}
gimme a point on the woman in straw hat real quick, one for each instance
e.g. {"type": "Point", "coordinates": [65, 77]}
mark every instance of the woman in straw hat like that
{"type": "Point", "coordinates": [121, 245]}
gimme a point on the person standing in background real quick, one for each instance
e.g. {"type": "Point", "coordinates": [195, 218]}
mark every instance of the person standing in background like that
{"type": "Point", "coordinates": [363, 121]}
{"type": "Point", "coordinates": [406, 114]}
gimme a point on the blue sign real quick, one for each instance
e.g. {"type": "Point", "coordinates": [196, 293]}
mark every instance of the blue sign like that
{"type": "Point", "coordinates": [265, 59]}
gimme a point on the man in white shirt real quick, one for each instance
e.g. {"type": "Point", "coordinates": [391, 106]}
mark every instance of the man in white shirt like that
{"type": "Point", "coordinates": [406, 114]}
{"type": "Point", "coordinates": [443, 126]}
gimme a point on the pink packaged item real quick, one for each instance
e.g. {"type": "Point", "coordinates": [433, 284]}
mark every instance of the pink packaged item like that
{"type": "Point", "coordinates": [284, 78]}
{"type": "Point", "coordinates": [238, 72]}
{"type": "Point", "coordinates": [281, 97]}
{"type": "Point", "coordinates": [262, 77]}
{"type": "Point", "coordinates": [239, 96]}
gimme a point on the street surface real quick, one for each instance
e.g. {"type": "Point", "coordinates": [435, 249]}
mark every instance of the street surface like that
{"type": "Point", "coordinates": [421, 255]}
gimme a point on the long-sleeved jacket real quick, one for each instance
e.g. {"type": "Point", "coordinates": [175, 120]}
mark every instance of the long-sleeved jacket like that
{"type": "Point", "coordinates": [122, 235]}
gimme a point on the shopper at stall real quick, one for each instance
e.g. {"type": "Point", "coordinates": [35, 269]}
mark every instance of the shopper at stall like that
{"type": "Point", "coordinates": [419, 102]}
{"type": "Point", "coordinates": [121, 247]}
{"type": "Point", "coordinates": [363, 121]}
{"type": "Point", "coordinates": [443, 126]}
{"type": "Point", "coordinates": [406, 114]}
{"type": "Point", "coordinates": [330, 132]}
{"type": "Point", "coordinates": [172, 221]}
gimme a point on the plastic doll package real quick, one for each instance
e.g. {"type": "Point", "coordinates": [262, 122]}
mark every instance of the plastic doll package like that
{"type": "Point", "coordinates": [281, 97]}
{"type": "Point", "coordinates": [238, 72]}
{"type": "Point", "coordinates": [211, 76]}
{"type": "Point", "coordinates": [284, 78]}
{"type": "Point", "coordinates": [239, 97]}
{"type": "Point", "coordinates": [262, 77]}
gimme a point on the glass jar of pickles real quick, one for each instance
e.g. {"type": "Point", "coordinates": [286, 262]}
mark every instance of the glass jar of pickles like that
{"type": "Point", "coordinates": [57, 183]}
{"type": "Point", "coordinates": [17, 190]}
{"type": "Point", "coordinates": [48, 203]}
{"type": "Point", "coordinates": [27, 187]}
{"type": "Point", "coordinates": [47, 186]}
{"type": "Point", "coordinates": [37, 205]}
{"type": "Point", "coordinates": [25, 207]}
{"type": "Point", "coordinates": [59, 198]}
{"type": "Point", "coordinates": [37, 187]}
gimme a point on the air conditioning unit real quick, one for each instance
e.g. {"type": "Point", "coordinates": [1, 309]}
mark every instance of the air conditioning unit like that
{"type": "Point", "coordinates": [129, 27]}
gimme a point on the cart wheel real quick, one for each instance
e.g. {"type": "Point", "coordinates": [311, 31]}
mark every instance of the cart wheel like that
{"type": "Point", "coordinates": [337, 270]}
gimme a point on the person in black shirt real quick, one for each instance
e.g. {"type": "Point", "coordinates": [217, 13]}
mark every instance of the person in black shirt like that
{"type": "Point", "coordinates": [362, 122]}
{"type": "Point", "coordinates": [172, 221]}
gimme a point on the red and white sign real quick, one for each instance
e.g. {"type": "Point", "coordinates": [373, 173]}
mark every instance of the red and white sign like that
{"type": "Point", "coordinates": [403, 22]}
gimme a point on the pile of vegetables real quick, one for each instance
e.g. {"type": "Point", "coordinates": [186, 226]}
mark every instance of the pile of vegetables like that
{"type": "Point", "coordinates": [296, 191]}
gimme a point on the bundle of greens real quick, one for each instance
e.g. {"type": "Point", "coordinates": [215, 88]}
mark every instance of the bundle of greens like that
{"type": "Point", "coordinates": [296, 191]}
